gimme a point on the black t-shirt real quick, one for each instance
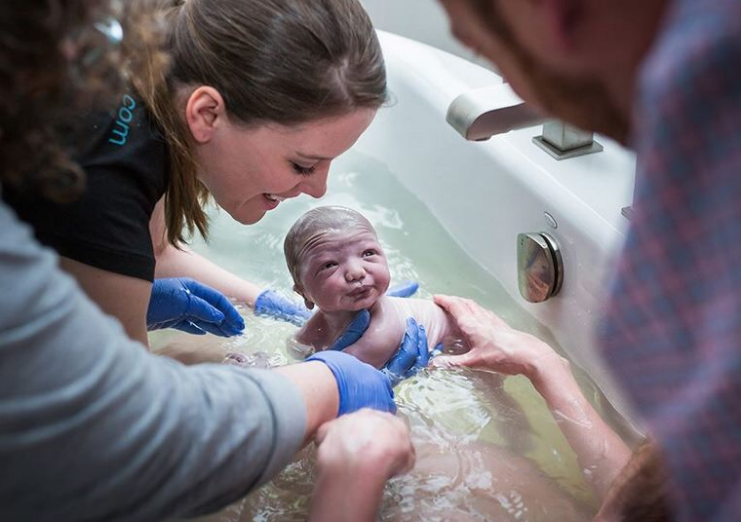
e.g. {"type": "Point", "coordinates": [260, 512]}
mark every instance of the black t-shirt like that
{"type": "Point", "coordinates": [126, 162]}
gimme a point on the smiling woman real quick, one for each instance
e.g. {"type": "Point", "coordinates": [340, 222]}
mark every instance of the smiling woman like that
{"type": "Point", "coordinates": [293, 160]}
{"type": "Point", "coordinates": [250, 113]}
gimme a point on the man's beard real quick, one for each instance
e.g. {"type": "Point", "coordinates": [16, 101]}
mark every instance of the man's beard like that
{"type": "Point", "coordinates": [582, 102]}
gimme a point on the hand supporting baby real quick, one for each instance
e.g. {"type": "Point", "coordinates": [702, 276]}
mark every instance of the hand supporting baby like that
{"type": "Point", "coordinates": [494, 344]}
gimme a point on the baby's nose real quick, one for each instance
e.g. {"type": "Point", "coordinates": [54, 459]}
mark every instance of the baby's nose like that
{"type": "Point", "coordinates": [354, 272]}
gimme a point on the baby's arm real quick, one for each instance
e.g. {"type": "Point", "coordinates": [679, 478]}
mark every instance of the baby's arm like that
{"type": "Point", "coordinates": [382, 338]}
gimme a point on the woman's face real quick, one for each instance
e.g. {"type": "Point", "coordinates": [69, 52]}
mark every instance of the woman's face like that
{"type": "Point", "coordinates": [250, 170]}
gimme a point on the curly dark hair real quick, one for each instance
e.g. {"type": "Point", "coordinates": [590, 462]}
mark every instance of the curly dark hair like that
{"type": "Point", "coordinates": [53, 64]}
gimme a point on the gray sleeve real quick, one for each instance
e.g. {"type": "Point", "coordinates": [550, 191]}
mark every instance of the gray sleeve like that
{"type": "Point", "coordinates": [93, 427]}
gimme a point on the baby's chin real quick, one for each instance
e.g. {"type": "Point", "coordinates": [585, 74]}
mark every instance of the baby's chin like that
{"type": "Point", "coordinates": [351, 305]}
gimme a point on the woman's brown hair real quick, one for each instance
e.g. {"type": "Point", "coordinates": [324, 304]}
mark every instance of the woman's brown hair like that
{"type": "Point", "coordinates": [277, 61]}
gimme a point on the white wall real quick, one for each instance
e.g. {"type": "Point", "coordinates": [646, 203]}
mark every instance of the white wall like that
{"type": "Point", "coordinates": [421, 20]}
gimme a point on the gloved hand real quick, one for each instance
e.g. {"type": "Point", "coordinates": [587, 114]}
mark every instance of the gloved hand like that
{"type": "Point", "coordinates": [405, 289]}
{"type": "Point", "coordinates": [277, 306]}
{"type": "Point", "coordinates": [189, 306]}
{"type": "Point", "coordinates": [360, 385]}
{"type": "Point", "coordinates": [353, 332]}
{"type": "Point", "coordinates": [412, 356]}
{"type": "Point", "coordinates": [274, 304]}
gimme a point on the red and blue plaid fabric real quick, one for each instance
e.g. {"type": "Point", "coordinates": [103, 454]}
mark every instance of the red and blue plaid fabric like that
{"type": "Point", "coordinates": [673, 327]}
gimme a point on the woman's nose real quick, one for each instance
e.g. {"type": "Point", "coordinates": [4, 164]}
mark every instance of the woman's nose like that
{"type": "Point", "coordinates": [316, 185]}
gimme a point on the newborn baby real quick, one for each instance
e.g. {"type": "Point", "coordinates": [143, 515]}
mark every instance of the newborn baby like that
{"type": "Point", "coordinates": [338, 266]}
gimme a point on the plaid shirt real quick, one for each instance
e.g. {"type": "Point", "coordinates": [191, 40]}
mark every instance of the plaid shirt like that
{"type": "Point", "coordinates": [673, 327]}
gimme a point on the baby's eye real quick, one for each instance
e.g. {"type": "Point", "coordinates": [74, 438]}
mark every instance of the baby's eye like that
{"type": "Point", "coordinates": [369, 252]}
{"type": "Point", "coordinates": [329, 264]}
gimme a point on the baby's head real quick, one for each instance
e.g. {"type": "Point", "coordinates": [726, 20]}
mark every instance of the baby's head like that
{"type": "Point", "coordinates": [335, 260]}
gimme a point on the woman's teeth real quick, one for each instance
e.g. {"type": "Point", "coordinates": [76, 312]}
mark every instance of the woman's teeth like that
{"type": "Point", "coordinates": [273, 197]}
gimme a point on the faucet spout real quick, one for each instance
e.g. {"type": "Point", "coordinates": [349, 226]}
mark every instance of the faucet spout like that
{"type": "Point", "coordinates": [479, 114]}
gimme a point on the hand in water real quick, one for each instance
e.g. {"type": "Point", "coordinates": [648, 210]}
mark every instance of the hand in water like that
{"type": "Point", "coordinates": [359, 384]}
{"type": "Point", "coordinates": [366, 439]}
{"type": "Point", "coordinates": [494, 344]}
{"type": "Point", "coordinates": [274, 304]}
{"type": "Point", "coordinates": [189, 306]}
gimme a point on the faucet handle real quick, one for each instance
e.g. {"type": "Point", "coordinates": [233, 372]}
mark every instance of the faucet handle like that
{"type": "Point", "coordinates": [479, 114]}
{"type": "Point", "coordinates": [563, 141]}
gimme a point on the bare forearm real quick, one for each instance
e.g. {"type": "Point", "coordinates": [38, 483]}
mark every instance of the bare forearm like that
{"type": "Point", "coordinates": [172, 262]}
{"type": "Point", "coordinates": [600, 451]}
{"type": "Point", "coordinates": [346, 495]}
{"type": "Point", "coordinates": [319, 389]}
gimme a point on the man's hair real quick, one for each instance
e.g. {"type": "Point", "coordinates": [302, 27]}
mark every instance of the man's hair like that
{"type": "Point", "coordinates": [56, 62]}
{"type": "Point", "coordinates": [312, 225]}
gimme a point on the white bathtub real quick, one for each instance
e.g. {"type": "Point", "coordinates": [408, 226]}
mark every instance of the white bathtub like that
{"type": "Point", "coordinates": [484, 194]}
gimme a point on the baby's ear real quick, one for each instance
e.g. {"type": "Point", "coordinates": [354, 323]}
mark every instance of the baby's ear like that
{"type": "Point", "coordinates": [300, 291]}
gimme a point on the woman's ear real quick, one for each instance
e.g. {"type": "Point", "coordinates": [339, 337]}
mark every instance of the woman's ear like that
{"type": "Point", "coordinates": [203, 112]}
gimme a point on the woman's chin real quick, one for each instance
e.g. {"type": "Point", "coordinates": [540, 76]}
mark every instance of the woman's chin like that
{"type": "Point", "coordinates": [246, 216]}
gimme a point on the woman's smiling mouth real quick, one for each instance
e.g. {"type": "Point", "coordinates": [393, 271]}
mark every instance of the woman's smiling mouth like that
{"type": "Point", "coordinates": [272, 201]}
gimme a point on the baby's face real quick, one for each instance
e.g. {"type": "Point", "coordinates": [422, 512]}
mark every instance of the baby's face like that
{"type": "Point", "coordinates": [344, 271]}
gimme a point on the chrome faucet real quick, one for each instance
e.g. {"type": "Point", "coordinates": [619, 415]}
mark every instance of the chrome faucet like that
{"type": "Point", "coordinates": [479, 114]}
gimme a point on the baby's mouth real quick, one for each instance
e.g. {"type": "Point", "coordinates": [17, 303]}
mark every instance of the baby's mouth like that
{"type": "Point", "coordinates": [361, 291]}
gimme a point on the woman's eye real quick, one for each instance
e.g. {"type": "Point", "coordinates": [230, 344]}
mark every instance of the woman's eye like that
{"type": "Point", "coordinates": [304, 171]}
{"type": "Point", "coordinates": [330, 264]}
{"type": "Point", "coordinates": [368, 253]}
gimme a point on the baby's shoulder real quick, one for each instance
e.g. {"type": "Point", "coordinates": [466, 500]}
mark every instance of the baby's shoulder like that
{"type": "Point", "coordinates": [412, 306]}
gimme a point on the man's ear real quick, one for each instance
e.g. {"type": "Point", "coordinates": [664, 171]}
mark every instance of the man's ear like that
{"type": "Point", "coordinates": [563, 21]}
{"type": "Point", "coordinates": [300, 291]}
{"type": "Point", "coordinates": [203, 112]}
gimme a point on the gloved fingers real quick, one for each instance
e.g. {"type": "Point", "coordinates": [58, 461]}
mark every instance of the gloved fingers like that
{"type": "Point", "coordinates": [353, 332]}
{"type": "Point", "coordinates": [200, 310]}
{"type": "Point", "coordinates": [188, 327]}
{"type": "Point", "coordinates": [215, 301]}
{"type": "Point", "coordinates": [277, 306]}
{"type": "Point", "coordinates": [405, 289]}
{"type": "Point", "coordinates": [423, 353]}
{"type": "Point", "coordinates": [222, 330]}
{"type": "Point", "coordinates": [408, 353]}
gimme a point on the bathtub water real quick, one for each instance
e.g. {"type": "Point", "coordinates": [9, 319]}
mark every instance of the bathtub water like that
{"type": "Point", "coordinates": [478, 421]}
{"type": "Point", "coordinates": [447, 213]}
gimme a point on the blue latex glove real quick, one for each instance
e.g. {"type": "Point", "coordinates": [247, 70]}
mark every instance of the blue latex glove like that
{"type": "Point", "coordinates": [353, 332]}
{"type": "Point", "coordinates": [189, 306]}
{"type": "Point", "coordinates": [274, 304]}
{"type": "Point", "coordinates": [405, 289]}
{"type": "Point", "coordinates": [412, 356]}
{"type": "Point", "coordinates": [360, 385]}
